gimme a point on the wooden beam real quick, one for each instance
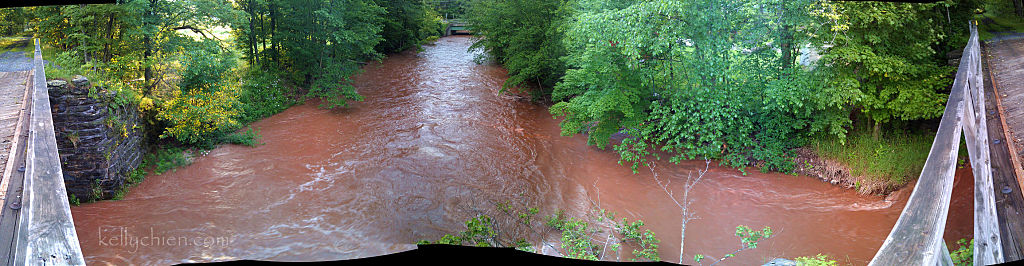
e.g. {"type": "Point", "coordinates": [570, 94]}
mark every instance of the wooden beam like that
{"type": "Point", "coordinates": [987, 245]}
{"type": "Point", "coordinates": [46, 233]}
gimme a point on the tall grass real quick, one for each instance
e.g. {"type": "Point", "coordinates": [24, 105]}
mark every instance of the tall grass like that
{"type": "Point", "coordinates": [895, 158]}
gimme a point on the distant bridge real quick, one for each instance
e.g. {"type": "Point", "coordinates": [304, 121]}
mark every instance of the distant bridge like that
{"type": "Point", "coordinates": [455, 25]}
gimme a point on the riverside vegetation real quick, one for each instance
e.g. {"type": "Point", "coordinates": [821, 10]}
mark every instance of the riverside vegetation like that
{"type": "Point", "coordinates": [735, 81]}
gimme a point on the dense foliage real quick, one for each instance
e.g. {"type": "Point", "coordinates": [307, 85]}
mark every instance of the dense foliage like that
{"type": "Point", "coordinates": [733, 80]}
{"type": "Point", "coordinates": [884, 57]}
{"type": "Point", "coordinates": [12, 20]}
{"type": "Point", "coordinates": [203, 103]}
{"type": "Point", "coordinates": [665, 74]}
{"type": "Point", "coordinates": [525, 37]}
{"type": "Point", "coordinates": [407, 25]}
{"type": "Point", "coordinates": [321, 44]}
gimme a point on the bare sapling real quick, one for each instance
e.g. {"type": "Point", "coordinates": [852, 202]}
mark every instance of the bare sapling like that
{"type": "Point", "coordinates": [684, 202]}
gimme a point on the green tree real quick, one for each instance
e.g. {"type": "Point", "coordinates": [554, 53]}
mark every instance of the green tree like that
{"type": "Point", "coordinates": [698, 79]}
{"type": "Point", "coordinates": [525, 36]}
{"type": "Point", "coordinates": [407, 24]}
{"type": "Point", "coordinates": [12, 20]}
{"type": "Point", "coordinates": [203, 106]}
{"type": "Point", "coordinates": [886, 55]}
{"type": "Point", "coordinates": [320, 43]}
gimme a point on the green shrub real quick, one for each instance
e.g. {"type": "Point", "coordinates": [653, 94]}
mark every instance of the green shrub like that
{"type": "Point", "coordinates": [262, 94]}
{"type": "Point", "coordinates": [748, 239]}
{"type": "Point", "coordinates": [133, 178]}
{"type": "Point", "coordinates": [249, 137]}
{"type": "Point", "coordinates": [581, 238]}
{"type": "Point", "coordinates": [74, 200]}
{"type": "Point", "coordinates": [479, 232]}
{"type": "Point", "coordinates": [64, 65]}
{"type": "Point", "coordinates": [819, 260]}
{"type": "Point", "coordinates": [203, 107]}
{"type": "Point", "coordinates": [964, 255]}
{"type": "Point", "coordinates": [164, 159]}
{"type": "Point", "coordinates": [430, 39]}
{"type": "Point", "coordinates": [576, 239]}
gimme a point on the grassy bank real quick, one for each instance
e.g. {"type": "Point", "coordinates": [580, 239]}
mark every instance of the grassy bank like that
{"type": "Point", "coordinates": [15, 44]}
{"type": "Point", "coordinates": [889, 162]}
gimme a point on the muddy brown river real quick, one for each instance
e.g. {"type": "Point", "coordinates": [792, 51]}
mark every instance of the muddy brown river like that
{"type": "Point", "coordinates": [433, 143]}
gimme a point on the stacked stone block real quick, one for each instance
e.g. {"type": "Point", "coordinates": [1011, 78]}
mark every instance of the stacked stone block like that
{"type": "Point", "coordinates": [99, 142]}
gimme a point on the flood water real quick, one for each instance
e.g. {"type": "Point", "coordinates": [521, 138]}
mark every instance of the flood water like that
{"type": "Point", "coordinates": [434, 143]}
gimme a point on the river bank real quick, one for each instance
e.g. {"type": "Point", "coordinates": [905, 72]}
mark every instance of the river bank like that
{"type": "Point", "coordinates": [836, 169]}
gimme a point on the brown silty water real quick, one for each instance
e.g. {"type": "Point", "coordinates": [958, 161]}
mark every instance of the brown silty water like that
{"type": "Point", "coordinates": [434, 143]}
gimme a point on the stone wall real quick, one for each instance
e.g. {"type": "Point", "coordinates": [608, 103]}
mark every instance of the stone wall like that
{"type": "Point", "coordinates": [99, 142]}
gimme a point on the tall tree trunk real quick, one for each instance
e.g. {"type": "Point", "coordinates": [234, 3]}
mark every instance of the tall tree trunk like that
{"type": "Point", "coordinates": [787, 48]}
{"type": "Point", "coordinates": [787, 39]}
{"type": "Point", "coordinates": [81, 42]}
{"type": "Point", "coordinates": [273, 31]}
{"type": "Point", "coordinates": [252, 32]}
{"type": "Point", "coordinates": [877, 131]}
{"type": "Point", "coordinates": [110, 39]}
{"type": "Point", "coordinates": [147, 41]}
{"type": "Point", "coordinates": [1018, 7]}
{"type": "Point", "coordinates": [263, 32]}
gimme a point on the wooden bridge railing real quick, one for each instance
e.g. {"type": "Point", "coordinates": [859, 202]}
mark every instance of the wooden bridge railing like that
{"type": "Point", "coordinates": [45, 233]}
{"type": "Point", "coordinates": [916, 239]}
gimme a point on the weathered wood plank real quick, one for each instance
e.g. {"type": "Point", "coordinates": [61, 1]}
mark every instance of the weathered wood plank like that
{"type": "Point", "coordinates": [46, 233]}
{"type": "Point", "coordinates": [1009, 206]}
{"type": "Point", "coordinates": [1006, 59]}
{"type": "Point", "coordinates": [945, 259]}
{"type": "Point", "coordinates": [12, 86]}
{"type": "Point", "coordinates": [987, 245]}
{"type": "Point", "coordinates": [10, 184]}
